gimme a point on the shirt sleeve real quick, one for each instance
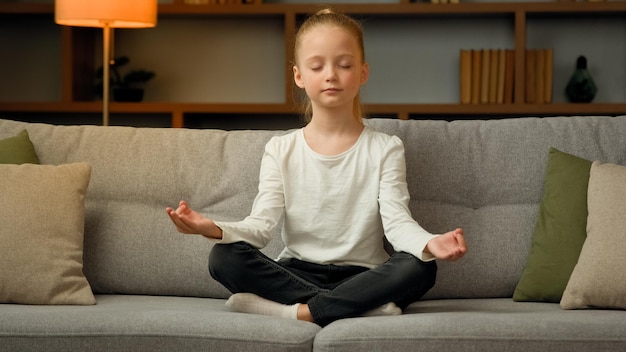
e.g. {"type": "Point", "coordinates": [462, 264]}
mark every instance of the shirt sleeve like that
{"type": "Point", "coordinates": [267, 209]}
{"type": "Point", "coordinates": [401, 230]}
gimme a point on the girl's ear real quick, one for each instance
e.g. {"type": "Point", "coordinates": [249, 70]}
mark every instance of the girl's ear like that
{"type": "Point", "coordinates": [297, 77]}
{"type": "Point", "coordinates": [365, 73]}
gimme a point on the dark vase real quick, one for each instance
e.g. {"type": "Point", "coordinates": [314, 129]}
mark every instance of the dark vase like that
{"type": "Point", "coordinates": [128, 94]}
{"type": "Point", "coordinates": [581, 88]}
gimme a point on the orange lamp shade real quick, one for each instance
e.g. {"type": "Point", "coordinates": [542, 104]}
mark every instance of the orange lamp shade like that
{"type": "Point", "coordinates": [111, 13]}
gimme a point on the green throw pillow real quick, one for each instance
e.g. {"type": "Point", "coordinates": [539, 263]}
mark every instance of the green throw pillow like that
{"type": "Point", "coordinates": [560, 231]}
{"type": "Point", "coordinates": [18, 150]}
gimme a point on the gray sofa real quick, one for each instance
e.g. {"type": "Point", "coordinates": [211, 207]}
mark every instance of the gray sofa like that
{"type": "Point", "coordinates": [151, 284]}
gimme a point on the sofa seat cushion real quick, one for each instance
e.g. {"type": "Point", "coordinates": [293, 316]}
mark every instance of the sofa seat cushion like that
{"type": "Point", "coordinates": [148, 323]}
{"type": "Point", "coordinates": [479, 325]}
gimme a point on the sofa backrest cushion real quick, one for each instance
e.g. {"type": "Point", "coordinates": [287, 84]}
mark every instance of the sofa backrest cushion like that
{"type": "Point", "coordinates": [131, 246]}
{"type": "Point", "coordinates": [484, 176]}
{"type": "Point", "coordinates": [487, 177]}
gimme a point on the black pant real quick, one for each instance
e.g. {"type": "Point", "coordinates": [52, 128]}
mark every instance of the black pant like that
{"type": "Point", "coordinates": [331, 291]}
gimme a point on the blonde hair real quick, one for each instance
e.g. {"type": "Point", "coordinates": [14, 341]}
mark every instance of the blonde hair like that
{"type": "Point", "coordinates": [329, 17]}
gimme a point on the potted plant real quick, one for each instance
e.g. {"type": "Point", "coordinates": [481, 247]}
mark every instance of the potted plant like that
{"type": "Point", "coordinates": [125, 87]}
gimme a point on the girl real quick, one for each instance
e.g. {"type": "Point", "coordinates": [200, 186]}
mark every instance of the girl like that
{"type": "Point", "coordinates": [341, 188]}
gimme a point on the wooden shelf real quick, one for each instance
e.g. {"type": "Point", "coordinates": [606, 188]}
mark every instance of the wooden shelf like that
{"type": "Point", "coordinates": [498, 109]}
{"type": "Point", "coordinates": [374, 9]}
{"type": "Point", "coordinates": [77, 60]}
{"type": "Point", "coordinates": [20, 8]}
{"type": "Point", "coordinates": [146, 107]}
{"type": "Point", "coordinates": [403, 111]}
{"type": "Point", "coordinates": [400, 9]}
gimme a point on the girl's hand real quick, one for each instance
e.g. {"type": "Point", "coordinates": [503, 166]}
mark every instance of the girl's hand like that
{"type": "Point", "coordinates": [448, 246]}
{"type": "Point", "coordinates": [189, 221]}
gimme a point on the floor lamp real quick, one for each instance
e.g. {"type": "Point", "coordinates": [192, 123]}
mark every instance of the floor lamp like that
{"type": "Point", "coordinates": [106, 14]}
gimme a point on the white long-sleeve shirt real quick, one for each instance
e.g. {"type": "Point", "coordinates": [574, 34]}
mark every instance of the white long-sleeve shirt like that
{"type": "Point", "coordinates": [336, 208]}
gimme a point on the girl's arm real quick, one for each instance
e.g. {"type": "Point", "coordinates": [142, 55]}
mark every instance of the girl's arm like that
{"type": "Point", "coordinates": [402, 231]}
{"type": "Point", "coordinates": [256, 229]}
{"type": "Point", "coordinates": [267, 209]}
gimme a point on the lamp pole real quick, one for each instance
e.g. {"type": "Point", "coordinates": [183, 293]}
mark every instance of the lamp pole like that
{"type": "Point", "coordinates": [106, 66]}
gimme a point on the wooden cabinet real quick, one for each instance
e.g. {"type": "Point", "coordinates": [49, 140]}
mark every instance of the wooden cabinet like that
{"type": "Point", "coordinates": [234, 60]}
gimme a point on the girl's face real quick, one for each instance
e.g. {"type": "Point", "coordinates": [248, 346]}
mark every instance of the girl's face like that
{"type": "Point", "coordinates": [330, 67]}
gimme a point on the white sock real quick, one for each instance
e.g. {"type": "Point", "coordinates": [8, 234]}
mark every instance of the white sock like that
{"type": "Point", "coordinates": [386, 309]}
{"type": "Point", "coordinates": [251, 303]}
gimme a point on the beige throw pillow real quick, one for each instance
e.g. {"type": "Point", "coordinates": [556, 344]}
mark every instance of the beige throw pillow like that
{"type": "Point", "coordinates": [41, 236]}
{"type": "Point", "coordinates": [599, 277]}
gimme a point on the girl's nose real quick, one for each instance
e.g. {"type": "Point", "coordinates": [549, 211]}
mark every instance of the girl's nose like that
{"type": "Point", "coordinates": [331, 75]}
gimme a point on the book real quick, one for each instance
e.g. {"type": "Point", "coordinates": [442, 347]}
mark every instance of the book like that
{"type": "Point", "coordinates": [549, 73]}
{"type": "Point", "coordinates": [501, 76]}
{"type": "Point", "coordinates": [476, 76]}
{"type": "Point", "coordinates": [465, 73]}
{"type": "Point", "coordinates": [539, 75]}
{"type": "Point", "coordinates": [493, 76]}
{"type": "Point", "coordinates": [529, 84]}
{"type": "Point", "coordinates": [484, 75]}
{"type": "Point", "coordinates": [509, 76]}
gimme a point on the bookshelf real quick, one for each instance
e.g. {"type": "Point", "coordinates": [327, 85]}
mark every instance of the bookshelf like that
{"type": "Point", "coordinates": [74, 56]}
